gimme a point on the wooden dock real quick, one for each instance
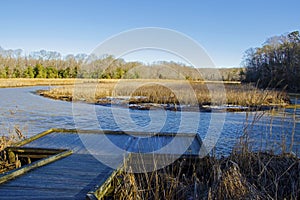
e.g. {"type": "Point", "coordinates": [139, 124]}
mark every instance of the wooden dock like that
{"type": "Point", "coordinates": [79, 173]}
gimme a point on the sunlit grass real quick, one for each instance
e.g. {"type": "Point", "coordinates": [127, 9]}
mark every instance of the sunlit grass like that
{"type": "Point", "coordinates": [21, 82]}
{"type": "Point", "coordinates": [170, 91]}
{"type": "Point", "coordinates": [239, 176]}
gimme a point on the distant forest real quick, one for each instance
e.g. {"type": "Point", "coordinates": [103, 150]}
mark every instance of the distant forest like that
{"type": "Point", "coordinates": [50, 64]}
{"type": "Point", "coordinates": [276, 64]}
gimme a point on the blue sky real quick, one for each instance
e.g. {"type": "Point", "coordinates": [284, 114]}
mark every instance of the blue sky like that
{"type": "Point", "coordinates": [224, 28]}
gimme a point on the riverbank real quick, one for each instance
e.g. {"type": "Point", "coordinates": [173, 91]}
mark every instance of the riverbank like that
{"type": "Point", "coordinates": [146, 94]}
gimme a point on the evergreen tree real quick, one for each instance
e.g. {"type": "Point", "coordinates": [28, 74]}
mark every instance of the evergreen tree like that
{"type": "Point", "coordinates": [39, 71]}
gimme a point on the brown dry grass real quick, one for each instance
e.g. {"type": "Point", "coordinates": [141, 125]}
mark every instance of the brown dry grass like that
{"type": "Point", "coordinates": [9, 134]}
{"type": "Point", "coordinates": [170, 91]}
{"type": "Point", "coordinates": [239, 176]}
{"type": "Point", "coordinates": [5, 141]}
{"type": "Point", "coordinates": [22, 82]}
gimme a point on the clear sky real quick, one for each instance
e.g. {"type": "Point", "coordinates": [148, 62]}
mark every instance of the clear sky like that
{"type": "Point", "coordinates": [224, 28]}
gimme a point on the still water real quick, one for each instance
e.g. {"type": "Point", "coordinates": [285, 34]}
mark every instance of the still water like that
{"type": "Point", "coordinates": [20, 107]}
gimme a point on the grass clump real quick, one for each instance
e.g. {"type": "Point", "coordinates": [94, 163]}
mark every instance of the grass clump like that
{"type": "Point", "coordinates": [9, 134]}
{"type": "Point", "coordinates": [6, 141]}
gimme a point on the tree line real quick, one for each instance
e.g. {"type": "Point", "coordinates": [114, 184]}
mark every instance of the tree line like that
{"type": "Point", "coordinates": [48, 64]}
{"type": "Point", "coordinates": [276, 64]}
{"type": "Point", "coordinates": [51, 64]}
{"type": "Point", "coordinates": [24, 68]}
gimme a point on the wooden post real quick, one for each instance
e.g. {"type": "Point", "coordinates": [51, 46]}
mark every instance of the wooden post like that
{"type": "Point", "coordinates": [11, 157]}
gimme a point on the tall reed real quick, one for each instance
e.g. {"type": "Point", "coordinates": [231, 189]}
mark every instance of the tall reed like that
{"type": "Point", "coordinates": [170, 91]}
{"type": "Point", "coordinates": [11, 133]}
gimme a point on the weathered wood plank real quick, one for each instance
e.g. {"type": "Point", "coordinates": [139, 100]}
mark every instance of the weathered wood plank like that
{"type": "Point", "coordinates": [35, 137]}
{"type": "Point", "coordinates": [33, 165]}
{"type": "Point", "coordinates": [72, 176]}
{"type": "Point", "coordinates": [133, 133]}
{"type": "Point", "coordinates": [34, 150]}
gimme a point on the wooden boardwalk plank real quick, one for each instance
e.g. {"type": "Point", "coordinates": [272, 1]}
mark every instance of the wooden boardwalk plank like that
{"type": "Point", "coordinates": [63, 182]}
{"type": "Point", "coordinates": [74, 176]}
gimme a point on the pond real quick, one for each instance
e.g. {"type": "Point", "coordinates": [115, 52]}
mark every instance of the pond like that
{"type": "Point", "coordinates": [30, 113]}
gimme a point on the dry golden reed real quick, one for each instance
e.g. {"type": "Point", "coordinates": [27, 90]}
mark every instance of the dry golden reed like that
{"type": "Point", "coordinates": [170, 91]}
{"type": "Point", "coordinates": [239, 176]}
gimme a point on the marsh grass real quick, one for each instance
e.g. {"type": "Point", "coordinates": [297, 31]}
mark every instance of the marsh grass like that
{"type": "Point", "coordinates": [170, 92]}
{"type": "Point", "coordinates": [22, 82]}
{"type": "Point", "coordinates": [239, 176]}
{"type": "Point", "coordinates": [11, 133]}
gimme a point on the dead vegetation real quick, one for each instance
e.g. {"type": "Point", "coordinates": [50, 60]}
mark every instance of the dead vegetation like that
{"type": "Point", "coordinates": [170, 92]}
{"type": "Point", "coordinates": [239, 176]}
{"type": "Point", "coordinates": [23, 82]}
{"type": "Point", "coordinates": [6, 141]}
{"type": "Point", "coordinates": [10, 133]}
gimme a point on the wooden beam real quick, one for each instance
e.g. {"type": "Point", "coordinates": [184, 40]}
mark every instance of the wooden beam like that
{"type": "Point", "coordinates": [134, 133]}
{"type": "Point", "coordinates": [34, 150]}
{"type": "Point", "coordinates": [38, 156]}
{"type": "Point", "coordinates": [35, 137]}
{"type": "Point", "coordinates": [293, 106]}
